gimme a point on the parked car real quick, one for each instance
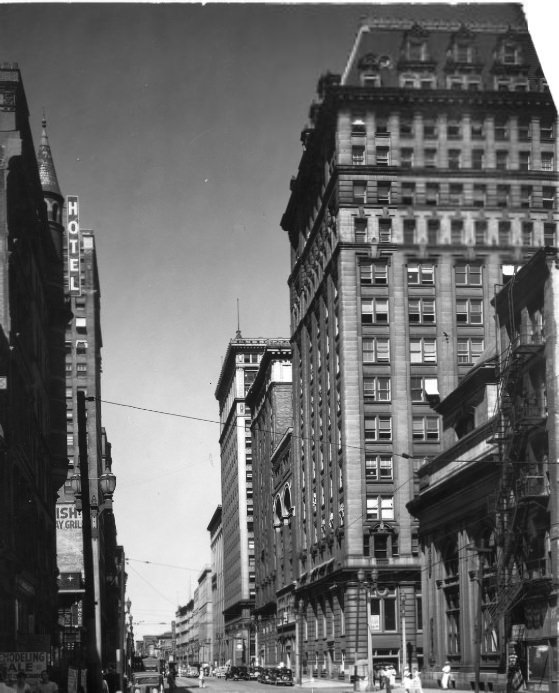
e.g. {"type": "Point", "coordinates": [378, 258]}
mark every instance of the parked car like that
{"type": "Point", "coordinates": [237, 673]}
{"type": "Point", "coordinates": [264, 676]}
{"type": "Point", "coordinates": [147, 682]}
{"type": "Point", "coordinates": [220, 672]}
{"type": "Point", "coordinates": [254, 673]}
{"type": "Point", "coordinates": [283, 677]}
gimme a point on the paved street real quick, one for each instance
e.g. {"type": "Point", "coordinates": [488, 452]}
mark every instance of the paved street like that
{"type": "Point", "coordinates": [215, 684]}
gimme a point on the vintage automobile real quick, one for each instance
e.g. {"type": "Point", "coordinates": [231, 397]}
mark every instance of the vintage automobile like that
{"type": "Point", "coordinates": [254, 673]}
{"type": "Point", "coordinates": [264, 676]}
{"type": "Point", "coordinates": [147, 682]}
{"type": "Point", "coordinates": [281, 676]}
{"type": "Point", "coordinates": [237, 673]}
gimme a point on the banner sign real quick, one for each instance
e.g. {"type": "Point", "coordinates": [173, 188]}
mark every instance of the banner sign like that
{"type": "Point", "coordinates": [73, 229]}
{"type": "Point", "coordinates": [32, 663]}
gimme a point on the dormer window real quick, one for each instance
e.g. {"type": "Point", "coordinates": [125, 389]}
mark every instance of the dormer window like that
{"type": "Point", "coordinates": [416, 50]}
{"type": "Point", "coordinates": [370, 79]}
{"type": "Point", "coordinates": [510, 54]}
{"type": "Point", "coordinates": [463, 52]}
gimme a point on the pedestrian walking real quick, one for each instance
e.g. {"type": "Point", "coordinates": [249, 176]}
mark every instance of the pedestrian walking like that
{"type": "Point", "coordinates": [21, 683]}
{"type": "Point", "coordinates": [201, 678]}
{"type": "Point", "coordinates": [416, 681]}
{"type": "Point", "coordinates": [4, 688]}
{"type": "Point", "coordinates": [406, 680]}
{"type": "Point", "coordinates": [446, 672]}
{"type": "Point", "coordinates": [46, 685]}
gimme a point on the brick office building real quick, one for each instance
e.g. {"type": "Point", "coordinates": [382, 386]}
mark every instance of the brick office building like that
{"type": "Point", "coordinates": [270, 402]}
{"type": "Point", "coordinates": [237, 375]}
{"type": "Point", "coordinates": [428, 167]}
{"type": "Point", "coordinates": [33, 315]}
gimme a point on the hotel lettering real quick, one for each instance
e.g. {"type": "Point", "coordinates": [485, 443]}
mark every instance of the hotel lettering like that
{"type": "Point", "coordinates": [73, 229]}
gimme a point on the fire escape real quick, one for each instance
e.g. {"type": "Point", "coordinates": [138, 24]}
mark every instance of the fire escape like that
{"type": "Point", "coordinates": [523, 575]}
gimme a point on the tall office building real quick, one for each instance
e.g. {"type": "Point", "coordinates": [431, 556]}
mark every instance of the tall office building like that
{"type": "Point", "coordinates": [237, 374]}
{"type": "Point", "coordinates": [429, 167]}
{"type": "Point", "coordinates": [33, 316]}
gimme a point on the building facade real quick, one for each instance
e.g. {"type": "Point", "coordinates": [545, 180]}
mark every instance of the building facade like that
{"type": "Point", "coordinates": [428, 168]}
{"type": "Point", "coordinates": [270, 402]}
{"type": "Point", "coordinates": [487, 504]}
{"type": "Point", "coordinates": [215, 529]}
{"type": "Point", "coordinates": [237, 375]}
{"type": "Point", "coordinates": [92, 574]}
{"type": "Point", "coordinates": [33, 315]}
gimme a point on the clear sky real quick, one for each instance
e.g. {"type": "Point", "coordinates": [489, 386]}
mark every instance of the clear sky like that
{"type": "Point", "coordinates": [178, 126]}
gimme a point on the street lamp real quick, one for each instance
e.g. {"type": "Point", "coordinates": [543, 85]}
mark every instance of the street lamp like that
{"type": "Point", "coordinates": [370, 585]}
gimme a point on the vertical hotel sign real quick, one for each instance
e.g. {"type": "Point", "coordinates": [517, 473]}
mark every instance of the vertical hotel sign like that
{"type": "Point", "coordinates": [73, 230]}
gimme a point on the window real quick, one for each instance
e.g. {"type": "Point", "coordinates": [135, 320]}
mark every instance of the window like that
{"type": "Point", "coordinates": [70, 440]}
{"type": "Point", "coordinates": [527, 233]}
{"type": "Point", "coordinates": [81, 324]}
{"type": "Point", "coordinates": [357, 155]}
{"type": "Point", "coordinates": [427, 82]}
{"type": "Point", "coordinates": [378, 428]}
{"type": "Point", "coordinates": [383, 613]}
{"type": "Point", "coordinates": [479, 195]}
{"type": "Point", "coordinates": [370, 79]}
{"type": "Point", "coordinates": [548, 197]}
{"type": "Point", "coordinates": [360, 230]}
{"type": "Point", "coordinates": [455, 193]}
{"type": "Point", "coordinates": [374, 311]}
{"type": "Point", "coordinates": [409, 231]}
{"type": "Point", "coordinates": [469, 311]}
{"type": "Point", "coordinates": [432, 194]}
{"type": "Point", "coordinates": [480, 231]}
{"type": "Point", "coordinates": [501, 128]}
{"type": "Point", "coordinates": [524, 161]}
{"type": "Point", "coordinates": [420, 386]}
{"type": "Point", "coordinates": [425, 428]}
{"type": "Point", "coordinates": [376, 350]}
{"type": "Point", "coordinates": [504, 232]}
{"type": "Point", "coordinates": [501, 160]}
{"type": "Point", "coordinates": [358, 125]}
{"type": "Point", "coordinates": [524, 131]}
{"type": "Point", "coordinates": [380, 508]}
{"type": "Point", "coordinates": [407, 194]}
{"type": "Point", "coordinates": [477, 158]}
{"type": "Point", "coordinates": [549, 236]}
{"type": "Point", "coordinates": [546, 130]}
{"type": "Point", "coordinates": [421, 273]}
{"type": "Point", "coordinates": [360, 192]}
{"type": "Point", "coordinates": [467, 275]}
{"type": "Point", "coordinates": [383, 156]}
{"type": "Point", "coordinates": [469, 349]}
{"type": "Point", "coordinates": [385, 230]}
{"type": "Point", "coordinates": [456, 231]}
{"type": "Point", "coordinates": [430, 158]}
{"type": "Point", "coordinates": [526, 196]}
{"type": "Point", "coordinates": [373, 273]}
{"type": "Point", "coordinates": [378, 467]}
{"type": "Point", "coordinates": [383, 192]}
{"type": "Point", "coordinates": [81, 369]}
{"type": "Point", "coordinates": [454, 128]}
{"type": "Point", "coordinates": [382, 127]}
{"type": "Point", "coordinates": [406, 157]}
{"type": "Point", "coordinates": [454, 158]}
{"type": "Point", "coordinates": [476, 128]}
{"type": "Point", "coordinates": [547, 161]}
{"type": "Point", "coordinates": [421, 311]}
{"type": "Point", "coordinates": [377, 388]}
{"type": "Point", "coordinates": [416, 50]}
{"type": "Point", "coordinates": [503, 192]}
{"type": "Point", "coordinates": [406, 127]}
{"type": "Point", "coordinates": [433, 229]}
{"type": "Point", "coordinates": [423, 350]}
{"type": "Point", "coordinates": [510, 54]}
{"type": "Point", "coordinates": [463, 52]}
{"type": "Point", "coordinates": [429, 128]}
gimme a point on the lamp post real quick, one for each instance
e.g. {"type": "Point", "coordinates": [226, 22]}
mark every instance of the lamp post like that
{"type": "Point", "coordinates": [89, 490]}
{"type": "Point", "coordinates": [370, 584]}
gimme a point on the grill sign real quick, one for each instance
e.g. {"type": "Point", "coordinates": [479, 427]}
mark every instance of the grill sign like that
{"type": "Point", "coordinates": [73, 229]}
